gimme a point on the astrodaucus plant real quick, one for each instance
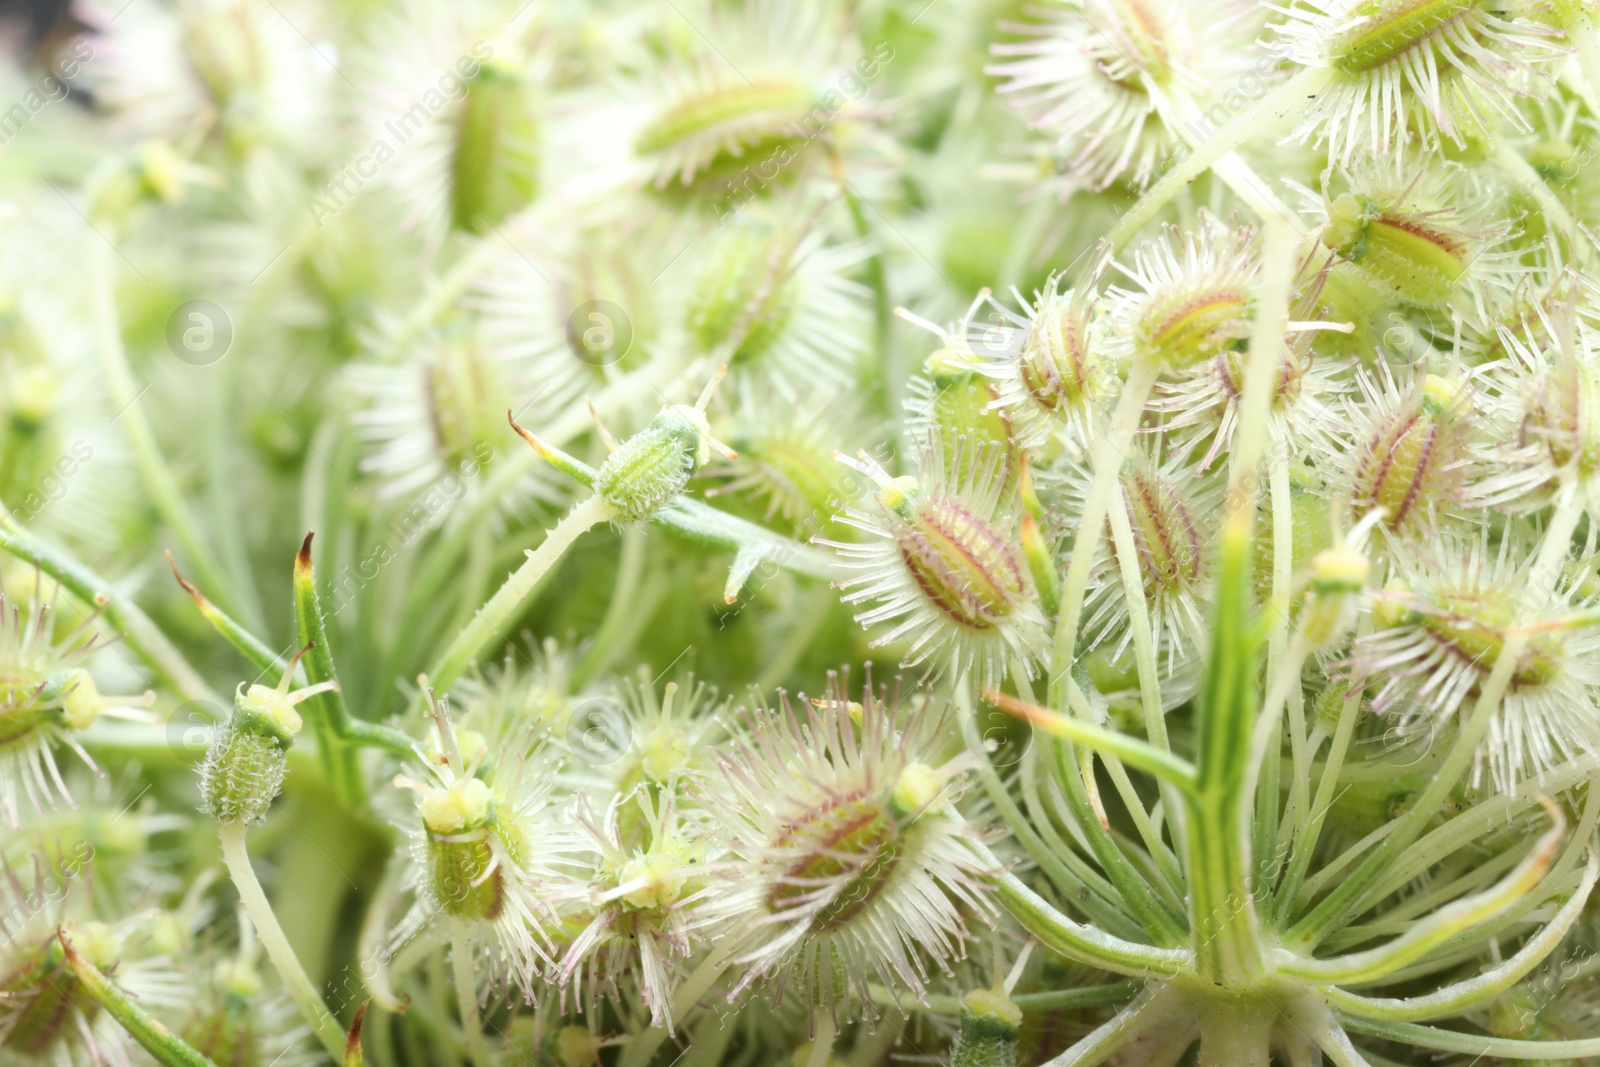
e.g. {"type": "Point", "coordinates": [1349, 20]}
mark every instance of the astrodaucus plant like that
{"type": "Point", "coordinates": [808, 533]}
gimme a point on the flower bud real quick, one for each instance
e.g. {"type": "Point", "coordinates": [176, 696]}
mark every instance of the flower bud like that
{"type": "Point", "coordinates": [655, 464]}
{"type": "Point", "coordinates": [575, 1046]}
{"type": "Point", "coordinates": [1338, 576]}
{"type": "Point", "coordinates": [990, 1023]}
{"type": "Point", "coordinates": [650, 468]}
{"type": "Point", "coordinates": [743, 298]}
{"type": "Point", "coordinates": [248, 758]}
{"type": "Point", "coordinates": [244, 768]}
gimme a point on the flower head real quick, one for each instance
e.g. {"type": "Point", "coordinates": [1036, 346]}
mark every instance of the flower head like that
{"type": "Point", "coordinates": [1416, 70]}
{"type": "Point", "coordinates": [944, 562]}
{"type": "Point", "coordinates": [1194, 296]}
{"type": "Point", "coordinates": [1107, 79]}
{"type": "Point", "coordinates": [1050, 363]}
{"type": "Point", "coordinates": [647, 904]}
{"type": "Point", "coordinates": [1438, 628]}
{"type": "Point", "coordinates": [852, 866]}
{"type": "Point", "coordinates": [485, 854]}
{"type": "Point", "coordinates": [46, 696]}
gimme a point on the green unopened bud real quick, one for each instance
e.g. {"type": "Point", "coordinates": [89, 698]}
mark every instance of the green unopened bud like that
{"type": "Point", "coordinates": [650, 468]}
{"type": "Point", "coordinates": [243, 771]}
{"type": "Point", "coordinates": [1338, 575]}
{"type": "Point", "coordinates": [990, 1023]}
{"type": "Point", "coordinates": [575, 1046]}
{"type": "Point", "coordinates": [248, 758]}
{"type": "Point", "coordinates": [744, 298]}
{"type": "Point", "coordinates": [655, 464]}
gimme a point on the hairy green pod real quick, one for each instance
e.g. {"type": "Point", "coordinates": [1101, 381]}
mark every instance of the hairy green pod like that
{"type": "Point", "coordinates": [990, 1023]}
{"type": "Point", "coordinates": [649, 468]}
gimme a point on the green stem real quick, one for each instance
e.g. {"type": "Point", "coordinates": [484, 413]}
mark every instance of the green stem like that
{"type": "Point", "coordinates": [141, 634]}
{"type": "Point", "coordinates": [1084, 944]}
{"type": "Point", "coordinates": [1144, 647]}
{"type": "Point", "coordinates": [301, 991]}
{"type": "Point", "coordinates": [1431, 1037]}
{"type": "Point", "coordinates": [1287, 99]}
{"type": "Point", "coordinates": [163, 1044]}
{"type": "Point", "coordinates": [1109, 449]}
{"type": "Point", "coordinates": [328, 714]}
{"type": "Point", "coordinates": [1458, 997]}
{"type": "Point", "coordinates": [1093, 996]}
{"type": "Point", "coordinates": [500, 609]}
{"type": "Point", "coordinates": [466, 984]}
{"type": "Point", "coordinates": [643, 1046]}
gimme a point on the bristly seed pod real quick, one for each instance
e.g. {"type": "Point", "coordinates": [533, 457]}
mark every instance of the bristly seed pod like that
{"type": "Point", "coordinates": [248, 758]}
{"type": "Point", "coordinates": [852, 868]}
{"type": "Point", "coordinates": [1410, 463]}
{"type": "Point", "coordinates": [946, 562]}
{"type": "Point", "coordinates": [1195, 297]}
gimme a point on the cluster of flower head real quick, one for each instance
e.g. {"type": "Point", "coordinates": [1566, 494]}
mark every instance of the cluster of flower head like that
{"type": "Point", "coordinates": [1000, 422]}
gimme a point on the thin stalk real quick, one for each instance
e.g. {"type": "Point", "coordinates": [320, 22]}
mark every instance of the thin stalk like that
{"type": "Point", "coordinates": [1157, 1004]}
{"type": "Point", "coordinates": [642, 1048]}
{"type": "Point", "coordinates": [1093, 996]}
{"type": "Point", "coordinates": [1505, 1048]}
{"type": "Point", "coordinates": [1021, 828]}
{"type": "Point", "coordinates": [270, 933]}
{"type": "Point", "coordinates": [153, 470]}
{"type": "Point", "coordinates": [485, 626]}
{"type": "Point", "coordinates": [168, 1048]}
{"type": "Point", "coordinates": [1182, 116]}
{"type": "Point", "coordinates": [1305, 840]}
{"type": "Point", "coordinates": [1222, 908]}
{"type": "Point", "coordinates": [1109, 449]}
{"type": "Point", "coordinates": [1522, 174]}
{"type": "Point", "coordinates": [1144, 646]}
{"type": "Point", "coordinates": [1075, 941]}
{"type": "Point", "coordinates": [1288, 99]}
{"type": "Point", "coordinates": [466, 984]}
{"type": "Point", "coordinates": [1459, 996]}
{"type": "Point", "coordinates": [139, 631]}
{"type": "Point", "coordinates": [822, 1041]}
{"type": "Point", "coordinates": [622, 611]}
{"type": "Point", "coordinates": [1453, 918]}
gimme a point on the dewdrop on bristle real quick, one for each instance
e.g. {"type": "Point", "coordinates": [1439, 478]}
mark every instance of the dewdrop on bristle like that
{"type": "Point", "coordinates": [248, 758]}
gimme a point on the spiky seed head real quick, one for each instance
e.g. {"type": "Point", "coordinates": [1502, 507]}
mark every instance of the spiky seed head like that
{"type": "Point", "coordinates": [1410, 463]}
{"type": "Point", "coordinates": [1418, 262]}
